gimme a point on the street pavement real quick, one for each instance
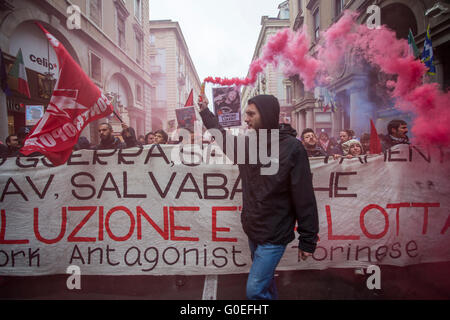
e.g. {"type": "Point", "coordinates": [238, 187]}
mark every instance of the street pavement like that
{"type": "Point", "coordinates": [424, 281]}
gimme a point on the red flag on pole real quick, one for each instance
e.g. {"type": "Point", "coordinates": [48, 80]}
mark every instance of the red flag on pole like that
{"type": "Point", "coordinates": [75, 102]}
{"type": "Point", "coordinates": [190, 100]}
{"type": "Point", "coordinates": [375, 142]}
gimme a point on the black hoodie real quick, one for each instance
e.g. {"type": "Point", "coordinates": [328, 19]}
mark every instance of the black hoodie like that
{"type": "Point", "coordinates": [272, 204]}
{"type": "Point", "coordinates": [269, 109]}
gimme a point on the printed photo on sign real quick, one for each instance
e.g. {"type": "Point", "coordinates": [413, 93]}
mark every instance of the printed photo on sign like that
{"type": "Point", "coordinates": [227, 106]}
{"type": "Point", "coordinates": [186, 118]}
{"type": "Point", "coordinates": [33, 114]}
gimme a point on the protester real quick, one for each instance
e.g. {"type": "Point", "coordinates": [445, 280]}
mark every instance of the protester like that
{"type": "Point", "coordinates": [272, 203]}
{"type": "Point", "coordinates": [22, 134]}
{"type": "Point", "coordinates": [108, 141]}
{"type": "Point", "coordinates": [150, 138]}
{"type": "Point", "coordinates": [352, 148]}
{"type": "Point", "coordinates": [3, 150]}
{"type": "Point", "coordinates": [129, 136]}
{"type": "Point", "coordinates": [161, 137]}
{"type": "Point", "coordinates": [12, 142]}
{"type": "Point", "coordinates": [141, 140]}
{"type": "Point", "coordinates": [344, 136]}
{"type": "Point", "coordinates": [82, 144]}
{"type": "Point", "coordinates": [397, 134]}
{"type": "Point", "coordinates": [327, 144]}
{"type": "Point", "coordinates": [311, 145]}
{"type": "Point", "coordinates": [365, 142]}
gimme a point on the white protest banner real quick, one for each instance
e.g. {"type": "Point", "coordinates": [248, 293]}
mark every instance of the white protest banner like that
{"type": "Point", "coordinates": [135, 211]}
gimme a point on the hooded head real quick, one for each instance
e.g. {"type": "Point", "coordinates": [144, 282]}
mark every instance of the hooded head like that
{"type": "Point", "coordinates": [269, 110]}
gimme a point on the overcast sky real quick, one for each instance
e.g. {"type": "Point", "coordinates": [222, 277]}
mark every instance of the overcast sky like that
{"type": "Point", "coordinates": [221, 35]}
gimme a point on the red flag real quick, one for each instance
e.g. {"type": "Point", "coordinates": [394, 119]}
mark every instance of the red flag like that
{"type": "Point", "coordinates": [375, 142]}
{"type": "Point", "coordinates": [75, 102]}
{"type": "Point", "coordinates": [190, 100]}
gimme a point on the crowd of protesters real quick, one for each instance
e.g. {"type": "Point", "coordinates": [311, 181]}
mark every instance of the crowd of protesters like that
{"type": "Point", "coordinates": [349, 145]}
{"type": "Point", "coordinates": [108, 140]}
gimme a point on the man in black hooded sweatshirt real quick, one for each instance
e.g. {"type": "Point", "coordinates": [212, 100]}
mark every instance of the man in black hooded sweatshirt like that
{"type": "Point", "coordinates": [272, 204]}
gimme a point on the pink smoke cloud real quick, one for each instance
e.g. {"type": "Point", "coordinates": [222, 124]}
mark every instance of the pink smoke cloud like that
{"type": "Point", "coordinates": [431, 106]}
{"type": "Point", "coordinates": [287, 48]}
{"type": "Point", "coordinates": [378, 47]}
{"type": "Point", "coordinates": [381, 48]}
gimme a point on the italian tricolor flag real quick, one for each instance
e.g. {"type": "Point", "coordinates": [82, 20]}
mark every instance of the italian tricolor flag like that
{"type": "Point", "coordinates": [18, 76]}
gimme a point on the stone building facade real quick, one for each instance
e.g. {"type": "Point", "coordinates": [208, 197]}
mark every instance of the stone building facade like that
{"type": "Point", "coordinates": [173, 71]}
{"type": "Point", "coordinates": [111, 44]}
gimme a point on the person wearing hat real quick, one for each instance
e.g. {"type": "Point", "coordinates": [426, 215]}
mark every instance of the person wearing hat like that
{"type": "Point", "coordinates": [352, 148]}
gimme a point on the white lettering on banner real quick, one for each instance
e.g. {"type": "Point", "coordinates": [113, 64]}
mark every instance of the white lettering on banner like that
{"type": "Point", "coordinates": [48, 140]}
{"type": "Point", "coordinates": [136, 211]}
{"type": "Point", "coordinates": [65, 99]}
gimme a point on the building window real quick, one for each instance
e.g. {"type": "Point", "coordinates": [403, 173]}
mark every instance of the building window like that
{"type": "Point", "coordinates": [138, 9]}
{"type": "Point", "coordinates": [95, 11]}
{"type": "Point", "coordinates": [138, 49]}
{"type": "Point", "coordinates": [95, 66]}
{"type": "Point", "coordinates": [121, 16]}
{"type": "Point", "coordinates": [152, 39]}
{"type": "Point", "coordinates": [152, 61]}
{"type": "Point", "coordinates": [339, 6]}
{"type": "Point", "coordinates": [120, 31]}
{"type": "Point", "coordinates": [288, 94]}
{"type": "Point", "coordinates": [138, 93]}
{"type": "Point", "coordinates": [316, 20]}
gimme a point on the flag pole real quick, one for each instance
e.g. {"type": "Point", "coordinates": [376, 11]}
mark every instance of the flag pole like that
{"type": "Point", "coordinates": [117, 116]}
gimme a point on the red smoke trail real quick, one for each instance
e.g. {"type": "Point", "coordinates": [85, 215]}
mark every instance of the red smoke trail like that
{"type": "Point", "coordinates": [286, 47]}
